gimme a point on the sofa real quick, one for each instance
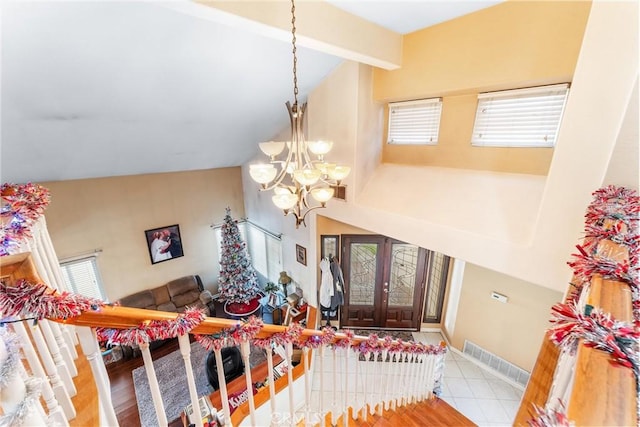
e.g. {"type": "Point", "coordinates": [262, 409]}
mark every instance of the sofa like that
{"type": "Point", "coordinates": [174, 296]}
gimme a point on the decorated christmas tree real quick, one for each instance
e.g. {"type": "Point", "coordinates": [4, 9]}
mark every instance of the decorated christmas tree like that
{"type": "Point", "coordinates": [238, 281]}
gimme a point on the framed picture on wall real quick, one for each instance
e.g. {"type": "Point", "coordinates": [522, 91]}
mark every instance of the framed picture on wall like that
{"type": "Point", "coordinates": [164, 243]}
{"type": "Point", "coordinates": [301, 255]}
{"type": "Point", "coordinates": [329, 245]}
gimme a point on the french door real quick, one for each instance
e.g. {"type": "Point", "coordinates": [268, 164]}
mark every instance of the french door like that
{"type": "Point", "coordinates": [384, 281]}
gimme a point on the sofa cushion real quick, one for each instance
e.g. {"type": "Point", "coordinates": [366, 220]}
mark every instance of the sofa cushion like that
{"type": "Point", "coordinates": [182, 285]}
{"type": "Point", "coordinates": [142, 299]}
{"type": "Point", "coordinates": [161, 296]}
{"type": "Point", "coordinates": [167, 306]}
{"type": "Point", "coordinates": [187, 298]}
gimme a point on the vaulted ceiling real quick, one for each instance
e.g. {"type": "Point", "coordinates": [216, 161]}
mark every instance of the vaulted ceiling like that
{"type": "Point", "coordinates": [93, 89]}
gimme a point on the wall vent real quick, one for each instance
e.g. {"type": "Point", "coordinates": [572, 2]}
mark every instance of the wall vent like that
{"type": "Point", "coordinates": [496, 363]}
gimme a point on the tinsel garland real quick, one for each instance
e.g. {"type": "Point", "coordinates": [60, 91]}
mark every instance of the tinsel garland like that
{"type": "Point", "coordinates": [598, 330]}
{"type": "Point", "coordinates": [550, 417]}
{"type": "Point", "coordinates": [245, 331]}
{"type": "Point", "coordinates": [585, 265]}
{"type": "Point", "coordinates": [373, 344]}
{"type": "Point", "coordinates": [23, 205]}
{"type": "Point", "coordinates": [611, 202]}
{"type": "Point", "coordinates": [344, 342]}
{"type": "Point", "coordinates": [290, 335]}
{"type": "Point", "coordinates": [40, 301]}
{"type": "Point", "coordinates": [23, 409]}
{"type": "Point", "coordinates": [8, 372]}
{"type": "Point", "coordinates": [316, 341]}
{"type": "Point", "coordinates": [154, 329]}
{"type": "Point", "coordinates": [10, 367]}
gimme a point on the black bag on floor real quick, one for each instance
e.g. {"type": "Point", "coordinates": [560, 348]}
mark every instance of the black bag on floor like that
{"type": "Point", "coordinates": [232, 363]}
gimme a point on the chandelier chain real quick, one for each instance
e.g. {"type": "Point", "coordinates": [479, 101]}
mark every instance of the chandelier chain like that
{"type": "Point", "coordinates": [295, 58]}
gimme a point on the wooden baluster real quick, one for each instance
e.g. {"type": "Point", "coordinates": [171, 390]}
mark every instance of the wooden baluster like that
{"type": "Point", "coordinates": [372, 385]}
{"type": "Point", "coordinates": [185, 350]}
{"type": "Point", "coordinates": [307, 386]}
{"type": "Point", "coordinates": [356, 388]}
{"type": "Point", "coordinates": [387, 376]}
{"type": "Point", "coordinates": [61, 365]}
{"type": "Point", "coordinates": [15, 391]}
{"type": "Point", "coordinates": [44, 241]}
{"type": "Point", "coordinates": [56, 413]}
{"type": "Point", "coordinates": [156, 396]}
{"type": "Point", "coordinates": [345, 400]}
{"type": "Point", "coordinates": [334, 404]}
{"type": "Point", "coordinates": [321, 366]}
{"type": "Point", "coordinates": [58, 386]}
{"type": "Point", "coordinates": [59, 350]}
{"type": "Point", "coordinates": [224, 396]}
{"type": "Point", "coordinates": [383, 367]}
{"type": "Point", "coordinates": [272, 381]}
{"type": "Point", "coordinates": [91, 349]}
{"type": "Point", "coordinates": [288, 353]}
{"type": "Point", "coordinates": [246, 350]}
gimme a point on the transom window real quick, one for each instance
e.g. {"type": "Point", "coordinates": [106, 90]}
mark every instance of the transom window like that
{"type": "Point", "coordinates": [414, 122]}
{"type": "Point", "coordinates": [520, 118]}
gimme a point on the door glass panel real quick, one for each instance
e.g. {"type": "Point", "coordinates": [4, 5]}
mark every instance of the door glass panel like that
{"type": "Point", "coordinates": [436, 283]}
{"type": "Point", "coordinates": [404, 261]}
{"type": "Point", "coordinates": [362, 267]}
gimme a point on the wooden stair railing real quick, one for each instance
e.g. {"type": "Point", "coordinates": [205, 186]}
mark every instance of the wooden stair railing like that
{"type": "Point", "coordinates": [602, 394]}
{"type": "Point", "coordinates": [20, 266]}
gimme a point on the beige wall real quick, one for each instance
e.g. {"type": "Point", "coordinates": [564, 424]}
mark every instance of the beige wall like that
{"type": "Point", "coordinates": [512, 330]}
{"type": "Point", "coordinates": [111, 214]}
{"type": "Point", "coordinates": [511, 45]}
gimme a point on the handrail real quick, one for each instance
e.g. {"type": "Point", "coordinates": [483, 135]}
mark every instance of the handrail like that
{"type": "Point", "coordinates": [602, 394]}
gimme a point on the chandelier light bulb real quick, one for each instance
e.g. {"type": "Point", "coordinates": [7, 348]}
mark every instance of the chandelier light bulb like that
{"type": "Point", "coordinates": [285, 201]}
{"type": "Point", "coordinates": [262, 173]}
{"type": "Point", "coordinates": [271, 148]}
{"type": "Point", "coordinates": [320, 147]}
{"type": "Point", "coordinates": [323, 194]}
{"type": "Point", "coordinates": [307, 176]}
{"type": "Point", "coordinates": [339, 173]}
{"type": "Point", "coordinates": [324, 167]}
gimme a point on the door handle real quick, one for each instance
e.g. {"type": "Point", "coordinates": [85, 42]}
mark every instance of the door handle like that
{"type": "Point", "coordinates": [385, 289]}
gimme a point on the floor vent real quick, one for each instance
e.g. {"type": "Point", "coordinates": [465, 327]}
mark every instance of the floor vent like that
{"type": "Point", "coordinates": [496, 363]}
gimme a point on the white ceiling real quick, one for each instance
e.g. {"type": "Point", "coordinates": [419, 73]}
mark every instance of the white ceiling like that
{"type": "Point", "coordinates": [93, 89]}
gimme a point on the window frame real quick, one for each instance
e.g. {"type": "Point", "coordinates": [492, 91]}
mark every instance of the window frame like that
{"type": "Point", "coordinates": [98, 286]}
{"type": "Point", "coordinates": [538, 110]}
{"type": "Point", "coordinates": [431, 107]}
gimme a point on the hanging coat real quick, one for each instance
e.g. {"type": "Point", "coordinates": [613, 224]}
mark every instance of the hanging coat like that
{"type": "Point", "coordinates": [326, 284]}
{"type": "Point", "coordinates": [338, 285]}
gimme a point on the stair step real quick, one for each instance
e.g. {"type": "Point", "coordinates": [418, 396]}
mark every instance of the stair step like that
{"type": "Point", "coordinates": [433, 412]}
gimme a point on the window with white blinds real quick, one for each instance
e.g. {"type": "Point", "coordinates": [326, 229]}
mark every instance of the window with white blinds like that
{"type": "Point", "coordinates": [520, 118]}
{"type": "Point", "coordinates": [414, 122]}
{"type": "Point", "coordinates": [266, 252]}
{"type": "Point", "coordinates": [82, 277]}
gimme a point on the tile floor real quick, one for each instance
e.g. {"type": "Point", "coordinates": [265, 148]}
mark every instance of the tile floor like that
{"type": "Point", "coordinates": [478, 394]}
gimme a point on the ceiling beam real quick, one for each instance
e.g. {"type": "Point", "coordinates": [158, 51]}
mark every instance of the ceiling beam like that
{"type": "Point", "coordinates": [319, 26]}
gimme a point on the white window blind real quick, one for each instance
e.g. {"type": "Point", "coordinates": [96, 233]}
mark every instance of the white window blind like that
{"type": "Point", "coordinates": [82, 277]}
{"type": "Point", "coordinates": [266, 252]}
{"type": "Point", "coordinates": [414, 122]}
{"type": "Point", "coordinates": [520, 118]}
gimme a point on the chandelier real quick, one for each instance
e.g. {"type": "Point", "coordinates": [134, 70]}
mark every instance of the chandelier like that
{"type": "Point", "coordinates": [302, 170]}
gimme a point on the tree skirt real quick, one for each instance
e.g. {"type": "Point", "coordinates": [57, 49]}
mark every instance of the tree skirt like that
{"type": "Point", "coordinates": [242, 309]}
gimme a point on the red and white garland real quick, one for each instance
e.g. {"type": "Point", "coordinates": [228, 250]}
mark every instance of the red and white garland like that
{"type": "Point", "coordinates": [549, 417]}
{"type": "Point", "coordinates": [375, 345]}
{"type": "Point", "coordinates": [22, 206]}
{"type": "Point", "coordinates": [290, 335]}
{"type": "Point", "coordinates": [245, 331]}
{"type": "Point", "coordinates": [41, 301]}
{"type": "Point", "coordinates": [598, 330]}
{"type": "Point", "coordinates": [153, 330]}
